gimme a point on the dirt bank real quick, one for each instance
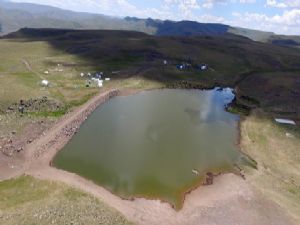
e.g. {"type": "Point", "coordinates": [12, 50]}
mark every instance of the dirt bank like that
{"type": "Point", "coordinates": [231, 200]}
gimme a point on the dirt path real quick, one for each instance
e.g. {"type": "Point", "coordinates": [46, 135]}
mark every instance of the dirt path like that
{"type": "Point", "coordinates": [29, 68]}
{"type": "Point", "coordinates": [231, 200]}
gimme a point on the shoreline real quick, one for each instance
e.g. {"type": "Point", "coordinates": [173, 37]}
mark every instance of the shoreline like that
{"type": "Point", "coordinates": [75, 125]}
{"type": "Point", "coordinates": [40, 153]}
{"type": "Point", "coordinates": [48, 150]}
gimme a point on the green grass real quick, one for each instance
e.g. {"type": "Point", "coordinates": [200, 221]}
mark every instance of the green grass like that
{"type": "Point", "coordinates": [55, 114]}
{"type": "Point", "coordinates": [238, 109]}
{"type": "Point", "coordinates": [18, 82]}
{"type": "Point", "coordinates": [121, 62]}
{"type": "Point", "coordinates": [277, 156]}
{"type": "Point", "coordinates": [274, 91]}
{"type": "Point", "coordinates": [228, 57]}
{"type": "Point", "coordinates": [27, 201]}
{"type": "Point", "coordinates": [278, 160]}
{"type": "Point", "coordinates": [19, 191]}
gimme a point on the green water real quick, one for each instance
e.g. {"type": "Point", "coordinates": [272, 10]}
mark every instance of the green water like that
{"type": "Point", "coordinates": [147, 145]}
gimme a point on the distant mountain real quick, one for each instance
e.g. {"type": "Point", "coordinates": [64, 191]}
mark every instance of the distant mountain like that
{"type": "Point", "coordinates": [181, 28]}
{"type": "Point", "coordinates": [255, 35]}
{"type": "Point", "coordinates": [14, 16]}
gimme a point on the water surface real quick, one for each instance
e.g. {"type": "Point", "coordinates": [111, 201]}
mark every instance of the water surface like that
{"type": "Point", "coordinates": [149, 144]}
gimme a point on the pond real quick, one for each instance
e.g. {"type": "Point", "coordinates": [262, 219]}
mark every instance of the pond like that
{"type": "Point", "coordinates": [156, 144]}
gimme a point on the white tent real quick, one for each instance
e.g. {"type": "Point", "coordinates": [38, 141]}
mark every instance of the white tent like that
{"type": "Point", "coordinates": [45, 83]}
{"type": "Point", "coordinates": [100, 83]}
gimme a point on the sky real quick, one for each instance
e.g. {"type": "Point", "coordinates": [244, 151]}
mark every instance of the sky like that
{"type": "Point", "coordinates": [281, 17]}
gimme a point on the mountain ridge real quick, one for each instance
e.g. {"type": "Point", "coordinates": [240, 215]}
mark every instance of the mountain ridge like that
{"type": "Point", "coordinates": [14, 16]}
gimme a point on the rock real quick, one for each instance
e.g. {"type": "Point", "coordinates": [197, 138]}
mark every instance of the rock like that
{"type": "Point", "coordinates": [289, 135]}
{"type": "Point", "coordinates": [209, 179]}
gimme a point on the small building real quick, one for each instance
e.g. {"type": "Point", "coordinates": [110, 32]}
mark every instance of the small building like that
{"type": "Point", "coordinates": [46, 72]}
{"type": "Point", "coordinates": [45, 83]}
{"type": "Point", "coordinates": [180, 66]}
{"type": "Point", "coordinates": [203, 66]}
{"type": "Point", "coordinates": [98, 82]}
{"type": "Point", "coordinates": [183, 66]}
{"type": "Point", "coordinates": [97, 75]}
{"type": "Point", "coordinates": [285, 121]}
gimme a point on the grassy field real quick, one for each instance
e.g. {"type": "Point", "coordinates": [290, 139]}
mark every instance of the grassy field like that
{"type": "Point", "coordinates": [275, 92]}
{"type": "Point", "coordinates": [276, 150]}
{"type": "Point", "coordinates": [27, 54]}
{"type": "Point", "coordinates": [266, 75]}
{"type": "Point", "coordinates": [22, 67]}
{"type": "Point", "coordinates": [28, 201]}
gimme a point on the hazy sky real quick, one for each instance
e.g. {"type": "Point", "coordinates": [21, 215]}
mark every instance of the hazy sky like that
{"type": "Point", "coordinates": [280, 16]}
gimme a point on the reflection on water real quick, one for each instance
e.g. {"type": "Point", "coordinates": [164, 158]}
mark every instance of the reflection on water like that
{"type": "Point", "coordinates": [154, 143]}
{"type": "Point", "coordinates": [194, 114]}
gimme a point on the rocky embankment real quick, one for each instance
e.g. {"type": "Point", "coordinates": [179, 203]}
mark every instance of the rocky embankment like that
{"type": "Point", "coordinates": [15, 143]}
{"type": "Point", "coordinates": [62, 135]}
{"type": "Point", "coordinates": [188, 85]}
{"type": "Point", "coordinates": [35, 105]}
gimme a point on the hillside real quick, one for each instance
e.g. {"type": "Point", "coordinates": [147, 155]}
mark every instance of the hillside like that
{"type": "Point", "coordinates": [265, 78]}
{"type": "Point", "coordinates": [32, 201]}
{"type": "Point", "coordinates": [232, 60]}
{"type": "Point", "coordinates": [14, 16]}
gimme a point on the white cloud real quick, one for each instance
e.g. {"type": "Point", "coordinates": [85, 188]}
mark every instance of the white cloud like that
{"type": "Point", "coordinates": [207, 18]}
{"type": "Point", "coordinates": [274, 3]}
{"type": "Point", "coordinates": [247, 1]}
{"type": "Point", "coordinates": [293, 3]}
{"type": "Point", "coordinates": [288, 22]}
{"type": "Point", "coordinates": [283, 4]}
{"type": "Point", "coordinates": [185, 7]}
{"type": "Point", "coordinates": [208, 4]}
{"type": "Point", "coordinates": [118, 8]}
{"type": "Point", "coordinates": [290, 18]}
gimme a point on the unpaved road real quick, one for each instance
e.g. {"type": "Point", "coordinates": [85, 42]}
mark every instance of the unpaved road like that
{"type": "Point", "coordinates": [229, 201]}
